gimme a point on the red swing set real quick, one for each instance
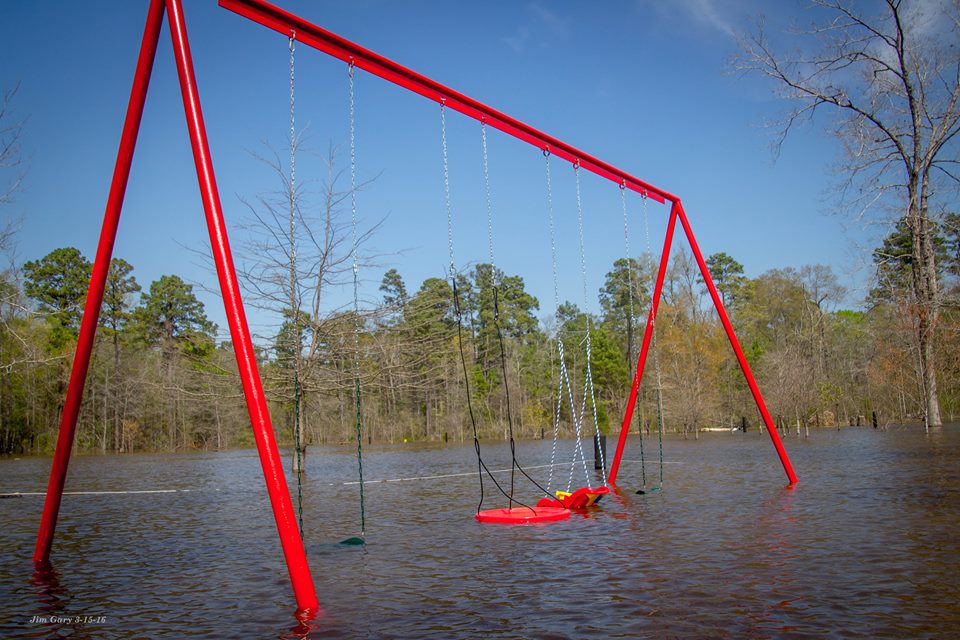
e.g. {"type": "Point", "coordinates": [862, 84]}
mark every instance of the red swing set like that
{"type": "Point", "coordinates": [293, 26]}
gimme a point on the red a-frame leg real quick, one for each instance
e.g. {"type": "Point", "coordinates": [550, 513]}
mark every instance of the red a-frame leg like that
{"type": "Point", "coordinates": [676, 213]}
{"type": "Point", "coordinates": [645, 346]}
{"type": "Point", "coordinates": [741, 358]}
{"type": "Point", "coordinates": [101, 268]}
{"type": "Point", "coordinates": [246, 358]}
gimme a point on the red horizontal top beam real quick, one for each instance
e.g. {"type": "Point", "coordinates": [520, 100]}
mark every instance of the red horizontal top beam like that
{"type": "Point", "coordinates": [350, 52]}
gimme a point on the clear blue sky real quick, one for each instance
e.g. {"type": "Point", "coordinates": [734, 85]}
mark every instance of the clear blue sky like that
{"type": "Point", "coordinates": [643, 85]}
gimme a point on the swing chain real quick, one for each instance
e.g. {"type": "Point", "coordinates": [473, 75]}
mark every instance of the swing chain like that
{"type": "Point", "coordinates": [583, 258]}
{"type": "Point", "coordinates": [292, 196]}
{"type": "Point", "coordinates": [356, 293]}
{"type": "Point", "coordinates": [458, 311]}
{"type": "Point", "coordinates": [630, 310]}
{"type": "Point", "coordinates": [556, 305]}
{"type": "Point", "coordinates": [291, 187]}
{"type": "Point", "coordinates": [656, 356]}
{"type": "Point", "coordinates": [489, 201]}
{"type": "Point", "coordinates": [626, 246]}
{"type": "Point", "coordinates": [588, 383]}
{"type": "Point", "coordinates": [576, 418]}
{"type": "Point", "coordinates": [553, 238]}
{"type": "Point", "coordinates": [446, 184]}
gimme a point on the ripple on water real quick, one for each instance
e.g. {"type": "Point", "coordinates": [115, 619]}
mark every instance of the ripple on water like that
{"type": "Point", "coordinates": [864, 546]}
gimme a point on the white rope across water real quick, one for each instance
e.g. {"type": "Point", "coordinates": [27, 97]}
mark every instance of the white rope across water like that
{"type": "Point", "coordinates": [27, 494]}
{"type": "Point", "coordinates": [472, 473]}
{"type": "Point", "coordinates": [18, 494]}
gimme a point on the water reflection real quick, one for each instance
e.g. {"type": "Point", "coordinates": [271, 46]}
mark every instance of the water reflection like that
{"type": "Point", "coordinates": [775, 570]}
{"type": "Point", "coordinates": [52, 617]}
{"type": "Point", "coordinates": [302, 629]}
{"type": "Point", "coordinates": [52, 598]}
{"type": "Point", "coordinates": [864, 546]}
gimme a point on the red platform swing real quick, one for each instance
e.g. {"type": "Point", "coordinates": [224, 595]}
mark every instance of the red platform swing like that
{"type": "Point", "coordinates": [521, 513]}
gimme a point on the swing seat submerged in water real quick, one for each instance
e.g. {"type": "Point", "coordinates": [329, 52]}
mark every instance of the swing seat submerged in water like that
{"type": "Point", "coordinates": [580, 499]}
{"type": "Point", "coordinates": [524, 514]}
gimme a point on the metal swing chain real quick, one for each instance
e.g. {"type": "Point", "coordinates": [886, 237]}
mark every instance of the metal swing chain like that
{"type": "Point", "coordinates": [294, 307]}
{"type": "Point", "coordinates": [656, 356]}
{"type": "Point", "coordinates": [556, 305]}
{"type": "Point", "coordinates": [578, 436]}
{"type": "Point", "coordinates": [564, 372]}
{"type": "Point", "coordinates": [588, 383]}
{"type": "Point", "coordinates": [626, 247]}
{"type": "Point", "coordinates": [456, 297]}
{"type": "Point", "coordinates": [481, 466]}
{"type": "Point", "coordinates": [489, 199]}
{"type": "Point", "coordinates": [446, 185]}
{"type": "Point", "coordinates": [356, 294]}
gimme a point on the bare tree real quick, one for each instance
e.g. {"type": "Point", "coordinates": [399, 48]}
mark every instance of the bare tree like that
{"type": "Point", "coordinates": [11, 157]}
{"type": "Point", "coordinates": [891, 80]}
{"type": "Point", "coordinates": [299, 248]}
{"type": "Point", "coordinates": [823, 290]}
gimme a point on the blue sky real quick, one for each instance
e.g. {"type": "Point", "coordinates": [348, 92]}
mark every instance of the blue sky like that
{"type": "Point", "coordinates": [643, 85]}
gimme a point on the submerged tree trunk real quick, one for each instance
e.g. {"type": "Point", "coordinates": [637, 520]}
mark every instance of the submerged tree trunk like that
{"type": "Point", "coordinates": [891, 74]}
{"type": "Point", "coordinates": [926, 289]}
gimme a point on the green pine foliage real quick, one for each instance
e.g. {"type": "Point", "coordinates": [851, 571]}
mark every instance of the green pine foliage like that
{"type": "Point", "coordinates": [160, 381]}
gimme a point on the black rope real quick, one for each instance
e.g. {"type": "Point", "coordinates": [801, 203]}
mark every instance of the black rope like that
{"type": "Point", "coordinates": [506, 389]}
{"type": "Point", "coordinates": [481, 466]}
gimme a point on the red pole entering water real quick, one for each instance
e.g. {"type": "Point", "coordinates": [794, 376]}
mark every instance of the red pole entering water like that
{"type": "Point", "coordinates": [101, 268]}
{"type": "Point", "coordinates": [735, 343]}
{"type": "Point", "coordinates": [256, 403]}
{"type": "Point", "coordinates": [330, 43]}
{"type": "Point", "coordinates": [284, 515]}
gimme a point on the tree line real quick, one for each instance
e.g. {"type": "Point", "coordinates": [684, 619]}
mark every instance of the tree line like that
{"type": "Point", "coordinates": [160, 381]}
{"type": "Point", "coordinates": [427, 359]}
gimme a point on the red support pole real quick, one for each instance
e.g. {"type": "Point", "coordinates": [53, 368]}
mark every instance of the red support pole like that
{"type": "Point", "coordinates": [744, 365]}
{"type": "Point", "coordinates": [98, 279]}
{"type": "Point", "coordinates": [330, 43]}
{"type": "Point", "coordinates": [290, 540]}
{"type": "Point", "coordinates": [647, 335]}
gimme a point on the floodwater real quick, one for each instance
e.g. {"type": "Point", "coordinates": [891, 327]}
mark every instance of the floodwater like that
{"type": "Point", "coordinates": [866, 545]}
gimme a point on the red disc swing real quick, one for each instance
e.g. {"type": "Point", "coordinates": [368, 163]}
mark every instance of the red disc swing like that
{"type": "Point", "coordinates": [517, 512]}
{"type": "Point", "coordinates": [524, 515]}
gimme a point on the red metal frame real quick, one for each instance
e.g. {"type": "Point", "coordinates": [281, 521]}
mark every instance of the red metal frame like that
{"type": "Point", "coordinates": [291, 542]}
{"type": "Point", "coordinates": [286, 23]}
{"type": "Point", "coordinates": [98, 280]}
{"type": "Point", "coordinates": [310, 34]}
{"type": "Point", "coordinates": [289, 24]}
{"type": "Point", "coordinates": [676, 213]}
{"type": "Point", "coordinates": [735, 343]}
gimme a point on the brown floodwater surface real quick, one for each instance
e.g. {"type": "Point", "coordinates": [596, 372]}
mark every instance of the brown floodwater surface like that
{"type": "Point", "coordinates": [866, 545]}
